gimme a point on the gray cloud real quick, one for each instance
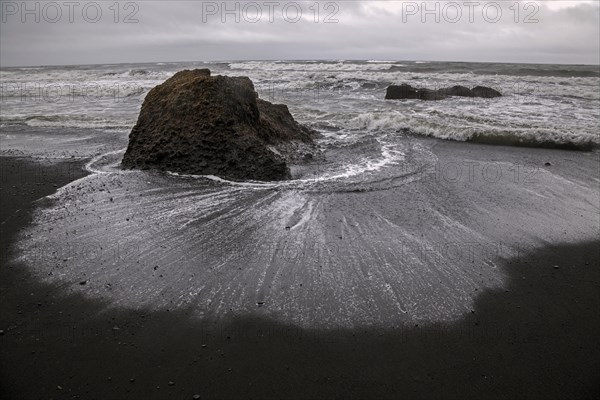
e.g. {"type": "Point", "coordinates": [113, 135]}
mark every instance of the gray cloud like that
{"type": "Point", "coordinates": [565, 32]}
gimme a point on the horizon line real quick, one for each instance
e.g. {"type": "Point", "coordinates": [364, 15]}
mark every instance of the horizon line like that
{"type": "Point", "coordinates": [295, 60]}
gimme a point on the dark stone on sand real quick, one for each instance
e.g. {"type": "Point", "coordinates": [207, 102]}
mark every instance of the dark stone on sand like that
{"type": "Point", "coordinates": [406, 91]}
{"type": "Point", "coordinates": [486, 92]}
{"type": "Point", "coordinates": [195, 123]}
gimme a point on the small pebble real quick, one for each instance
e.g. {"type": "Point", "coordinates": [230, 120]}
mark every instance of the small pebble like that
{"type": "Point", "coordinates": [171, 383]}
{"type": "Point", "coordinates": [556, 267]}
{"type": "Point", "coordinates": [196, 397]}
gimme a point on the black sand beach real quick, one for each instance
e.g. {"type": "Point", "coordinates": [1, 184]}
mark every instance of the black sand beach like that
{"type": "Point", "coordinates": [536, 338]}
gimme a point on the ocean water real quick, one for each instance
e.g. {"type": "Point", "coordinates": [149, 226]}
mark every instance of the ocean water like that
{"type": "Point", "coordinates": [394, 227]}
{"type": "Point", "coordinates": [344, 100]}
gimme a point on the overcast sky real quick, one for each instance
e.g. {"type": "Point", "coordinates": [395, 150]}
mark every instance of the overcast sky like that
{"type": "Point", "coordinates": [85, 32]}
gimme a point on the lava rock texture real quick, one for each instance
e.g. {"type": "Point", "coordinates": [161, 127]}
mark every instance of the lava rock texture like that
{"type": "Point", "coordinates": [195, 123]}
{"type": "Point", "coordinates": [406, 91]}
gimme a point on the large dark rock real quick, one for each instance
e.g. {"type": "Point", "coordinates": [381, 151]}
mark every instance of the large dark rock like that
{"type": "Point", "coordinates": [195, 123]}
{"type": "Point", "coordinates": [461, 91]}
{"type": "Point", "coordinates": [428, 94]}
{"type": "Point", "coordinates": [484, 91]}
{"type": "Point", "coordinates": [405, 91]}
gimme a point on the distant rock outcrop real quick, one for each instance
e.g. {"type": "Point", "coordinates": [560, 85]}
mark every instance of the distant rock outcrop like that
{"type": "Point", "coordinates": [461, 91]}
{"type": "Point", "coordinates": [405, 91]}
{"type": "Point", "coordinates": [428, 94]}
{"type": "Point", "coordinates": [484, 91]}
{"type": "Point", "coordinates": [195, 123]}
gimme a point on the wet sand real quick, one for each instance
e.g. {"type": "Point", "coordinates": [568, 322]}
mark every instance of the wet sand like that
{"type": "Point", "coordinates": [534, 338]}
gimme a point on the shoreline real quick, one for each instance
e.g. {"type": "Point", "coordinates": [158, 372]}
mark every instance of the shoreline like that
{"type": "Point", "coordinates": [536, 339]}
